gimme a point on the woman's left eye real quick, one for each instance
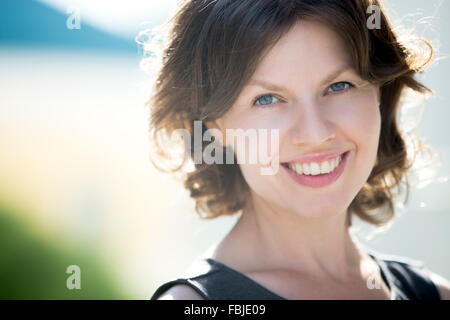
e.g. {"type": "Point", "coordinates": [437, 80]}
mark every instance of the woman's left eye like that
{"type": "Point", "coordinates": [339, 87]}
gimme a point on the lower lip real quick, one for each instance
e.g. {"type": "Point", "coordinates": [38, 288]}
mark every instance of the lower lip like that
{"type": "Point", "coordinates": [321, 180]}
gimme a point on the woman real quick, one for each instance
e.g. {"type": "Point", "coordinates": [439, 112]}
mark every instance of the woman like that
{"type": "Point", "coordinates": [327, 77]}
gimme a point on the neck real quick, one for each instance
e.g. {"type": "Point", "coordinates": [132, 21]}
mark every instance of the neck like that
{"type": "Point", "coordinates": [317, 246]}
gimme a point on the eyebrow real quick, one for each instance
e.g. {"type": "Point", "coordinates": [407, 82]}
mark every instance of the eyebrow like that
{"type": "Point", "coordinates": [275, 87]}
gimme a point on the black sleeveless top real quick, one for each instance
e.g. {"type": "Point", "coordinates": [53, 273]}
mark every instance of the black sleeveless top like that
{"type": "Point", "coordinates": [407, 279]}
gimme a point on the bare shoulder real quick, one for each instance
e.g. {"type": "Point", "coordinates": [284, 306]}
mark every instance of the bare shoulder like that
{"type": "Point", "coordinates": [442, 284]}
{"type": "Point", "coordinates": [181, 292]}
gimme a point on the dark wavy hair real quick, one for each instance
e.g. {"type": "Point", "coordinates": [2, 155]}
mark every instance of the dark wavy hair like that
{"type": "Point", "coordinates": [211, 50]}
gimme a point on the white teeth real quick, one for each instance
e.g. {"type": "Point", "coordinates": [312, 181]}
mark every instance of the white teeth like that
{"type": "Point", "coordinates": [332, 167]}
{"type": "Point", "coordinates": [334, 164]}
{"type": "Point", "coordinates": [325, 167]}
{"type": "Point", "coordinates": [314, 168]}
{"type": "Point", "coordinates": [305, 168]}
{"type": "Point", "coordinates": [299, 168]}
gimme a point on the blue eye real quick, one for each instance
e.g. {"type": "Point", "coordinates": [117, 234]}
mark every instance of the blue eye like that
{"type": "Point", "coordinates": [339, 87]}
{"type": "Point", "coordinates": [265, 100]}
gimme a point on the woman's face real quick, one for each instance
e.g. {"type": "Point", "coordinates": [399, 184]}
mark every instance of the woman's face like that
{"type": "Point", "coordinates": [306, 88]}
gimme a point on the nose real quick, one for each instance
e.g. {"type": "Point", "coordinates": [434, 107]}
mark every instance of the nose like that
{"type": "Point", "coordinates": [311, 125]}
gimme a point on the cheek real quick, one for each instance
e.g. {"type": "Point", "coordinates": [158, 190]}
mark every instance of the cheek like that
{"type": "Point", "coordinates": [265, 127]}
{"type": "Point", "coordinates": [358, 113]}
{"type": "Point", "coordinates": [257, 122]}
{"type": "Point", "coordinates": [360, 120]}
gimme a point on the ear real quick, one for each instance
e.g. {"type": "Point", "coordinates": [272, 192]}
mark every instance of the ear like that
{"type": "Point", "coordinates": [215, 128]}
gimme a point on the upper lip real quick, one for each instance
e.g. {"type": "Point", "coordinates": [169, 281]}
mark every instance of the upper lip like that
{"type": "Point", "coordinates": [317, 157]}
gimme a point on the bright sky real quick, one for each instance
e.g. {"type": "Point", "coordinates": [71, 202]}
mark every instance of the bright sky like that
{"type": "Point", "coordinates": [123, 18]}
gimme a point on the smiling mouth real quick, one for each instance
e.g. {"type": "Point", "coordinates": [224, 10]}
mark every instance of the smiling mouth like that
{"type": "Point", "coordinates": [314, 169]}
{"type": "Point", "coordinates": [314, 176]}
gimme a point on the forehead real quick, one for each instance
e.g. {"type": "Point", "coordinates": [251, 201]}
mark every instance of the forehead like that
{"type": "Point", "coordinates": [309, 46]}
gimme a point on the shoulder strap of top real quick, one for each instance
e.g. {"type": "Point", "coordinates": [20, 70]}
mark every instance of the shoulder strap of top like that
{"type": "Point", "coordinates": [214, 281]}
{"type": "Point", "coordinates": [410, 277]}
{"type": "Point", "coordinates": [167, 285]}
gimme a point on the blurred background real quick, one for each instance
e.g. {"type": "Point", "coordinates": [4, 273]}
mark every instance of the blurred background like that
{"type": "Point", "coordinates": [76, 183]}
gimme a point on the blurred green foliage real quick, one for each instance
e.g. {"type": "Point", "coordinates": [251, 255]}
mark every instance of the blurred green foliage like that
{"type": "Point", "coordinates": [32, 267]}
